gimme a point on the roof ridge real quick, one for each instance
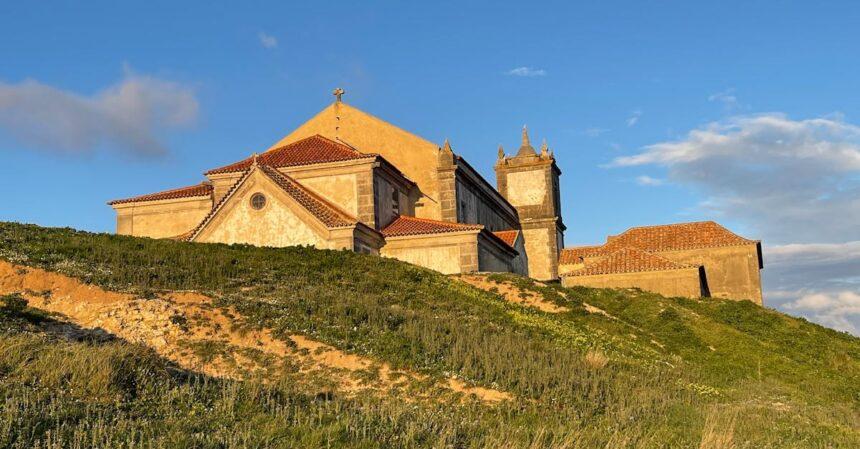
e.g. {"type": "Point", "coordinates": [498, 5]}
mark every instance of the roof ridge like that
{"type": "Point", "coordinates": [313, 136]}
{"type": "Point", "coordinates": [147, 196]}
{"type": "Point", "coordinates": [684, 223]}
{"type": "Point", "coordinates": [572, 248]}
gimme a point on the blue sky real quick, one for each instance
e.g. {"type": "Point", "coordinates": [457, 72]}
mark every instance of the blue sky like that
{"type": "Point", "coordinates": [742, 112]}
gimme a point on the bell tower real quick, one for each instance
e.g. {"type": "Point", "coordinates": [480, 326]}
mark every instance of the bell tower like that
{"type": "Point", "coordinates": [529, 181]}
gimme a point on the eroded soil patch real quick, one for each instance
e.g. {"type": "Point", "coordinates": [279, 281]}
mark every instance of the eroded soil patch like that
{"type": "Point", "coordinates": [514, 294]}
{"type": "Point", "coordinates": [185, 328]}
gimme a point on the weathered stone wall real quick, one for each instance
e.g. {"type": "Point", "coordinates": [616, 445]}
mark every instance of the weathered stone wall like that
{"type": "Point", "coordinates": [531, 185]}
{"type": "Point", "coordinates": [161, 219]}
{"type": "Point", "coordinates": [731, 272]}
{"type": "Point", "coordinates": [341, 190]}
{"type": "Point", "coordinates": [541, 245]}
{"type": "Point", "coordinates": [684, 282]}
{"type": "Point", "coordinates": [446, 253]}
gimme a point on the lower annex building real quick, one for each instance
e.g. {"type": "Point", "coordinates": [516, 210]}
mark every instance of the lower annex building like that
{"type": "Point", "coordinates": [348, 180]}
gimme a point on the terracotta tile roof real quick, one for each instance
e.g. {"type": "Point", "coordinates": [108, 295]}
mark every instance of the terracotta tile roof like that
{"type": "Point", "coordinates": [326, 212]}
{"type": "Point", "coordinates": [329, 214]}
{"type": "Point", "coordinates": [311, 150]}
{"type": "Point", "coordinates": [575, 254]}
{"type": "Point", "coordinates": [703, 234]}
{"type": "Point", "coordinates": [403, 226]}
{"type": "Point", "coordinates": [509, 237]}
{"type": "Point", "coordinates": [628, 260]}
{"type": "Point", "coordinates": [202, 189]}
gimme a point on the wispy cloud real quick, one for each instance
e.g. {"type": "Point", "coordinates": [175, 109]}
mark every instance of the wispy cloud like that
{"type": "Point", "coordinates": [727, 98]}
{"type": "Point", "coordinates": [646, 180]}
{"type": "Point", "coordinates": [634, 118]}
{"type": "Point", "coordinates": [267, 40]}
{"type": "Point", "coordinates": [130, 115]}
{"type": "Point", "coordinates": [595, 132]}
{"type": "Point", "coordinates": [526, 71]}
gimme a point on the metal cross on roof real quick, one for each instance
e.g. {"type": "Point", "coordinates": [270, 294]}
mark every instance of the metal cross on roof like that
{"type": "Point", "coordinates": [338, 93]}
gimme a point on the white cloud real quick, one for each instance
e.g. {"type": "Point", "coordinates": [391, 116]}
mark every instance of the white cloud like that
{"type": "Point", "coordinates": [267, 40]}
{"type": "Point", "coordinates": [833, 309]}
{"type": "Point", "coordinates": [646, 180]}
{"type": "Point", "coordinates": [526, 71]}
{"type": "Point", "coordinates": [634, 118]}
{"type": "Point", "coordinates": [129, 115]}
{"type": "Point", "coordinates": [794, 181]}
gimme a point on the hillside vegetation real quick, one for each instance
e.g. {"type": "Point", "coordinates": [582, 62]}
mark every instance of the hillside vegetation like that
{"type": "Point", "coordinates": [576, 368]}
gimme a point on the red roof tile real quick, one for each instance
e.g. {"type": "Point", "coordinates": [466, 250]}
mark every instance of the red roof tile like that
{"type": "Point", "coordinates": [311, 150]}
{"type": "Point", "coordinates": [575, 254]}
{"type": "Point", "coordinates": [326, 212]}
{"type": "Point", "coordinates": [202, 189]}
{"type": "Point", "coordinates": [703, 234]}
{"type": "Point", "coordinates": [628, 260]}
{"type": "Point", "coordinates": [403, 226]}
{"type": "Point", "coordinates": [509, 237]}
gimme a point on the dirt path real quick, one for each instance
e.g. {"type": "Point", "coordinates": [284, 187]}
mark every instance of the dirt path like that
{"type": "Point", "coordinates": [513, 294]}
{"type": "Point", "coordinates": [185, 328]}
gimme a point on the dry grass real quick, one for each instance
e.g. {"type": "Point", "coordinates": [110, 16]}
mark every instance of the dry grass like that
{"type": "Point", "coordinates": [719, 431]}
{"type": "Point", "coordinates": [596, 359]}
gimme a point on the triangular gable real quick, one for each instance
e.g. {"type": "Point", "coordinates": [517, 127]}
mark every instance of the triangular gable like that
{"type": "Point", "coordinates": [342, 121]}
{"type": "Point", "coordinates": [414, 156]}
{"type": "Point", "coordinates": [319, 213]}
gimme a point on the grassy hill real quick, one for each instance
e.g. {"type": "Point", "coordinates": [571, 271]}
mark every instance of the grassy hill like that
{"type": "Point", "coordinates": [606, 369]}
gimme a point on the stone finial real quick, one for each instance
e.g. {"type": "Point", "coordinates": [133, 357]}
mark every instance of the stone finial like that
{"type": "Point", "coordinates": [446, 147]}
{"type": "Point", "coordinates": [254, 160]}
{"type": "Point", "coordinates": [544, 149]}
{"type": "Point", "coordinates": [526, 149]}
{"type": "Point", "coordinates": [338, 93]}
{"type": "Point", "coordinates": [501, 152]}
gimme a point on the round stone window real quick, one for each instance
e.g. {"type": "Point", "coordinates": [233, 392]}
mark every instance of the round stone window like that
{"type": "Point", "coordinates": [258, 201]}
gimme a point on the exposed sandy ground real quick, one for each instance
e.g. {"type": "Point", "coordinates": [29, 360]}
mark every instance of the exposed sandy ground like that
{"type": "Point", "coordinates": [173, 324]}
{"type": "Point", "coordinates": [513, 294]}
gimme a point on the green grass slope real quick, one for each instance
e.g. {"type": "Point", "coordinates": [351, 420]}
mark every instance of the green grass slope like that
{"type": "Point", "coordinates": [678, 373]}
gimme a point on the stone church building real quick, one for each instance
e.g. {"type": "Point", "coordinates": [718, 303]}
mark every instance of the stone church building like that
{"type": "Point", "coordinates": [348, 180]}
